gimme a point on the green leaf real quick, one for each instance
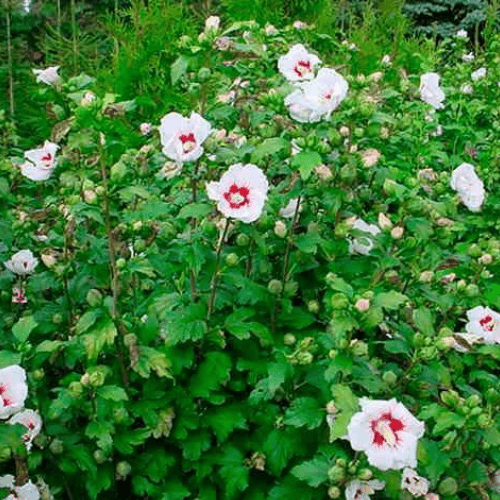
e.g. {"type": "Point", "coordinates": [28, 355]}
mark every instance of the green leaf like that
{"type": "Point", "coordinates": [390, 300]}
{"type": "Point", "coordinates": [225, 420]}
{"type": "Point", "coordinates": [175, 490]}
{"type": "Point", "coordinates": [178, 69]}
{"type": "Point", "coordinates": [268, 147]}
{"type": "Point", "coordinates": [8, 358]}
{"type": "Point", "coordinates": [212, 372]}
{"type": "Point", "coordinates": [424, 321]}
{"type": "Point", "coordinates": [341, 285]}
{"type": "Point", "coordinates": [279, 448]}
{"type": "Point", "coordinates": [112, 392]}
{"type": "Point", "coordinates": [87, 320]}
{"type": "Point", "coordinates": [194, 210]}
{"type": "Point", "coordinates": [305, 162]}
{"type": "Point", "coordinates": [234, 473]}
{"type": "Point", "coordinates": [347, 404]}
{"type": "Point", "coordinates": [103, 334]}
{"type": "Point", "coordinates": [24, 327]}
{"type": "Point", "coordinates": [305, 412]}
{"type": "Point", "coordinates": [477, 472]}
{"type": "Point", "coordinates": [292, 489]}
{"type": "Point", "coordinates": [314, 472]}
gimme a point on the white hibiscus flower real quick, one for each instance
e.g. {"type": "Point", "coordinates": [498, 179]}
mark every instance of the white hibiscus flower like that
{"type": "Point", "coordinates": [469, 186]}
{"type": "Point", "coordinates": [48, 75]}
{"type": "Point", "coordinates": [27, 492]}
{"type": "Point", "coordinates": [387, 432]}
{"type": "Point", "coordinates": [430, 92]}
{"type": "Point", "coordinates": [468, 57]}
{"type": "Point", "coordinates": [461, 34]}
{"type": "Point", "coordinates": [182, 138]}
{"type": "Point", "coordinates": [22, 263]}
{"type": "Point", "coordinates": [13, 390]}
{"type": "Point", "coordinates": [361, 244]}
{"type": "Point", "coordinates": [318, 98]}
{"type": "Point", "coordinates": [33, 423]}
{"type": "Point", "coordinates": [361, 490]}
{"type": "Point", "coordinates": [241, 192]}
{"type": "Point", "coordinates": [298, 64]}
{"type": "Point", "coordinates": [415, 484]}
{"type": "Point", "coordinates": [42, 162]}
{"type": "Point", "coordinates": [212, 23]}
{"type": "Point", "coordinates": [478, 74]}
{"type": "Point", "coordinates": [483, 324]}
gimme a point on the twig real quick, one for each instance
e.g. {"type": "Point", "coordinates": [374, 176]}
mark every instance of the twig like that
{"type": "Point", "coordinates": [213, 284]}
{"type": "Point", "coordinates": [289, 243]}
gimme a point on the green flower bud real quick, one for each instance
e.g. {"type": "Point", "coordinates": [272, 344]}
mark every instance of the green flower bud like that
{"type": "Point", "coordinates": [336, 474]}
{"type": "Point", "coordinates": [450, 398]}
{"type": "Point", "coordinates": [76, 389]}
{"type": "Point", "coordinates": [96, 379]}
{"type": "Point", "coordinates": [448, 486]}
{"type": "Point", "coordinates": [289, 339]}
{"type": "Point", "coordinates": [99, 456]}
{"type": "Point", "coordinates": [291, 288]}
{"type": "Point", "coordinates": [475, 250]}
{"type": "Point", "coordinates": [473, 400]}
{"type": "Point", "coordinates": [232, 260]}
{"type": "Point", "coordinates": [472, 290]}
{"type": "Point", "coordinates": [120, 415]}
{"type": "Point", "coordinates": [123, 469]}
{"type": "Point", "coordinates": [348, 173]}
{"type": "Point", "coordinates": [483, 421]}
{"type": "Point", "coordinates": [313, 306]}
{"type": "Point", "coordinates": [204, 74]}
{"type": "Point", "coordinates": [57, 318]}
{"type": "Point", "coordinates": [359, 348]}
{"type": "Point", "coordinates": [56, 447]}
{"type": "Point", "coordinates": [94, 297]}
{"type": "Point", "coordinates": [304, 358]}
{"type": "Point", "coordinates": [121, 263]}
{"type": "Point", "coordinates": [275, 287]}
{"type": "Point", "coordinates": [341, 462]}
{"type": "Point", "coordinates": [209, 228]}
{"type": "Point", "coordinates": [339, 301]}
{"type": "Point", "coordinates": [390, 378]}
{"type": "Point", "coordinates": [99, 191]}
{"type": "Point", "coordinates": [334, 492]}
{"type": "Point", "coordinates": [242, 240]}
{"type": "Point", "coordinates": [445, 332]}
{"type": "Point", "coordinates": [365, 474]}
{"type": "Point", "coordinates": [38, 374]}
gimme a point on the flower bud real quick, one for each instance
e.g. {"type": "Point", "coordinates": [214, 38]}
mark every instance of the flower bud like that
{"type": "Point", "coordinates": [359, 348]}
{"type": "Point", "coordinates": [475, 250]}
{"type": "Point", "coordinates": [94, 297]}
{"type": "Point", "coordinates": [242, 240]}
{"type": "Point", "coordinates": [450, 398]}
{"type": "Point", "coordinates": [76, 389]}
{"type": "Point", "coordinates": [486, 259]}
{"type": "Point", "coordinates": [362, 305]}
{"type": "Point", "coordinates": [280, 229]}
{"type": "Point", "coordinates": [334, 492]}
{"type": "Point", "coordinates": [232, 260]}
{"type": "Point", "coordinates": [384, 222]}
{"type": "Point", "coordinates": [397, 232]}
{"type": "Point", "coordinates": [339, 301]}
{"type": "Point", "coordinates": [426, 277]}
{"type": "Point", "coordinates": [275, 287]}
{"type": "Point", "coordinates": [336, 473]}
{"type": "Point", "coordinates": [123, 469]}
{"type": "Point", "coordinates": [85, 379]}
{"type": "Point", "coordinates": [431, 496]}
{"type": "Point", "coordinates": [289, 339]}
{"type": "Point", "coordinates": [344, 131]}
{"type": "Point", "coordinates": [472, 290]}
{"type": "Point", "coordinates": [99, 456]}
{"type": "Point", "coordinates": [461, 285]}
{"type": "Point", "coordinates": [145, 128]}
{"type": "Point", "coordinates": [365, 474]}
{"type": "Point", "coordinates": [389, 377]}
{"type": "Point", "coordinates": [331, 408]}
{"type": "Point", "coordinates": [474, 400]}
{"type": "Point", "coordinates": [448, 486]}
{"type": "Point", "coordinates": [304, 358]}
{"type": "Point", "coordinates": [96, 379]}
{"type": "Point", "coordinates": [56, 447]}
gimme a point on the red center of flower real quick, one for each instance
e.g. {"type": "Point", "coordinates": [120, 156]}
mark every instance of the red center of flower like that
{"type": "Point", "coordinates": [31, 426]}
{"type": "Point", "coordinates": [303, 68]}
{"type": "Point", "coordinates": [2, 389]}
{"type": "Point", "coordinates": [487, 323]}
{"type": "Point", "coordinates": [237, 196]}
{"type": "Point", "coordinates": [385, 430]}
{"type": "Point", "coordinates": [47, 159]}
{"type": "Point", "coordinates": [188, 142]}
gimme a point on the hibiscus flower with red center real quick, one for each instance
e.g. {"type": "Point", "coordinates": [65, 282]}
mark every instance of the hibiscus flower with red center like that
{"type": "Point", "coordinates": [387, 432]}
{"type": "Point", "coordinates": [241, 192]}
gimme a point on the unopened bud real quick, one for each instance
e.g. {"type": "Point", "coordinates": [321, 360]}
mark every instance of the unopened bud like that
{"type": "Point", "coordinates": [344, 131]}
{"type": "Point", "coordinates": [362, 305]}
{"type": "Point", "coordinates": [397, 232]}
{"type": "Point", "coordinates": [331, 408]}
{"type": "Point", "coordinates": [486, 259]}
{"type": "Point", "coordinates": [426, 277]}
{"type": "Point", "coordinates": [280, 229]}
{"type": "Point", "coordinates": [384, 222]}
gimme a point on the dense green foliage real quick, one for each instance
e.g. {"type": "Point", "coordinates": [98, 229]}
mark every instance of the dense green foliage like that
{"type": "Point", "coordinates": [145, 392]}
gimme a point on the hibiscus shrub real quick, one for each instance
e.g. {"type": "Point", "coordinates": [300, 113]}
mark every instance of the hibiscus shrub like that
{"type": "Point", "coordinates": [282, 287]}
